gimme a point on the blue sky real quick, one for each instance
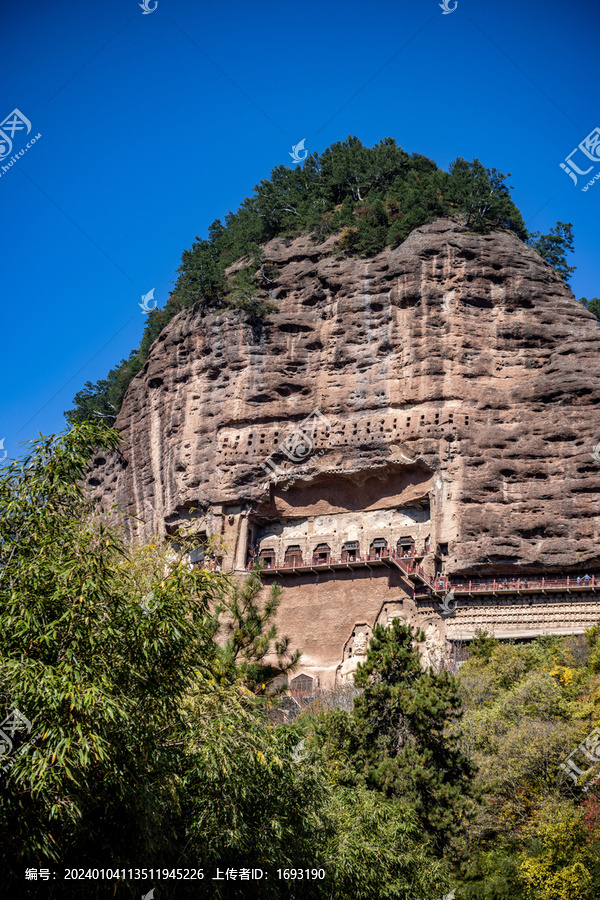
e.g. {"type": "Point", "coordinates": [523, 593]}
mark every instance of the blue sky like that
{"type": "Point", "coordinates": [154, 125]}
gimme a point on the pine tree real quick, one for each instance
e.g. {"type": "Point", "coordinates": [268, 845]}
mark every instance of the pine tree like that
{"type": "Point", "coordinates": [251, 635]}
{"type": "Point", "coordinates": [593, 305]}
{"type": "Point", "coordinates": [553, 247]}
{"type": "Point", "coordinates": [403, 721]}
{"type": "Point", "coordinates": [484, 197]}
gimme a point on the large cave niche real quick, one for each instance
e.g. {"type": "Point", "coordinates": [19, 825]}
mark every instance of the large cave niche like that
{"type": "Point", "coordinates": [369, 489]}
{"type": "Point", "coordinates": [337, 520]}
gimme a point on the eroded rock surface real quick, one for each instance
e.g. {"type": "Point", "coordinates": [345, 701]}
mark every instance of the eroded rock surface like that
{"type": "Point", "coordinates": [456, 373]}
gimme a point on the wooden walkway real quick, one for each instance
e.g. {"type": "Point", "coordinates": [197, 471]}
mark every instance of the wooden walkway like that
{"type": "Point", "coordinates": [427, 587]}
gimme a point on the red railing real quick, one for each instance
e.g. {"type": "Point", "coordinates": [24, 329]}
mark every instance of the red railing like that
{"type": "Point", "coordinates": [373, 556]}
{"type": "Point", "coordinates": [519, 584]}
{"type": "Point", "coordinates": [408, 564]}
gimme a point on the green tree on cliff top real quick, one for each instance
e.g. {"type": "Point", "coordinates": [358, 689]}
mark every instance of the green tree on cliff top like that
{"type": "Point", "coordinates": [553, 247]}
{"type": "Point", "coordinates": [372, 197]}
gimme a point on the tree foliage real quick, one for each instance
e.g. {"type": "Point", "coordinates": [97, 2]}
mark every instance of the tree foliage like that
{"type": "Point", "coordinates": [593, 305]}
{"type": "Point", "coordinates": [151, 743]}
{"type": "Point", "coordinates": [560, 868]}
{"type": "Point", "coordinates": [376, 849]}
{"type": "Point", "coordinates": [372, 197]}
{"type": "Point", "coordinates": [100, 680]}
{"type": "Point", "coordinates": [252, 649]}
{"type": "Point", "coordinates": [526, 707]}
{"type": "Point", "coordinates": [484, 196]}
{"type": "Point", "coordinates": [554, 246]}
{"type": "Point", "coordinates": [401, 740]}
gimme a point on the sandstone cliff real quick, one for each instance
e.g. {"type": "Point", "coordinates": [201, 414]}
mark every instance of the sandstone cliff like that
{"type": "Point", "coordinates": [456, 371]}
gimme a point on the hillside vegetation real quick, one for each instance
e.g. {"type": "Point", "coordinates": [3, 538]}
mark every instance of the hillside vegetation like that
{"type": "Point", "coordinates": [153, 744]}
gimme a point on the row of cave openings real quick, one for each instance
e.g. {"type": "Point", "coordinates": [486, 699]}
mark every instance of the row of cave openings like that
{"type": "Point", "coordinates": [321, 555]}
{"type": "Point", "coordinates": [370, 432]}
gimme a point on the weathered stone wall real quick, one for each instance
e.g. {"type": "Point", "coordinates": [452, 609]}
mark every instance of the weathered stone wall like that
{"type": "Point", "coordinates": [324, 613]}
{"type": "Point", "coordinates": [525, 615]}
{"type": "Point", "coordinates": [455, 374]}
{"type": "Point", "coordinates": [321, 613]}
{"type": "Point", "coordinates": [458, 364]}
{"type": "Point", "coordinates": [386, 526]}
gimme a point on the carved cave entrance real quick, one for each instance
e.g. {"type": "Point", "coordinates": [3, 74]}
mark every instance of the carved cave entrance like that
{"type": "Point", "coordinates": [378, 548]}
{"type": "Point", "coordinates": [293, 556]}
{"type": "Point", "coordinates": [322, 553]}
{"type": "Point", "coordinates": [350, 551]}
{"type": "Point", "coordinates": [267, 558]}
{"type": "Point", "coordinates": [405, 546]}
{"type": "Point", "coordinates": [302, 684]}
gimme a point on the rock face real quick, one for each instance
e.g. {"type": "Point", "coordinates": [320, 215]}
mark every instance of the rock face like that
{"type": "Point", "coordinates": [455, 377]}
{"type": "Point", "coordinates": [440, 400]}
